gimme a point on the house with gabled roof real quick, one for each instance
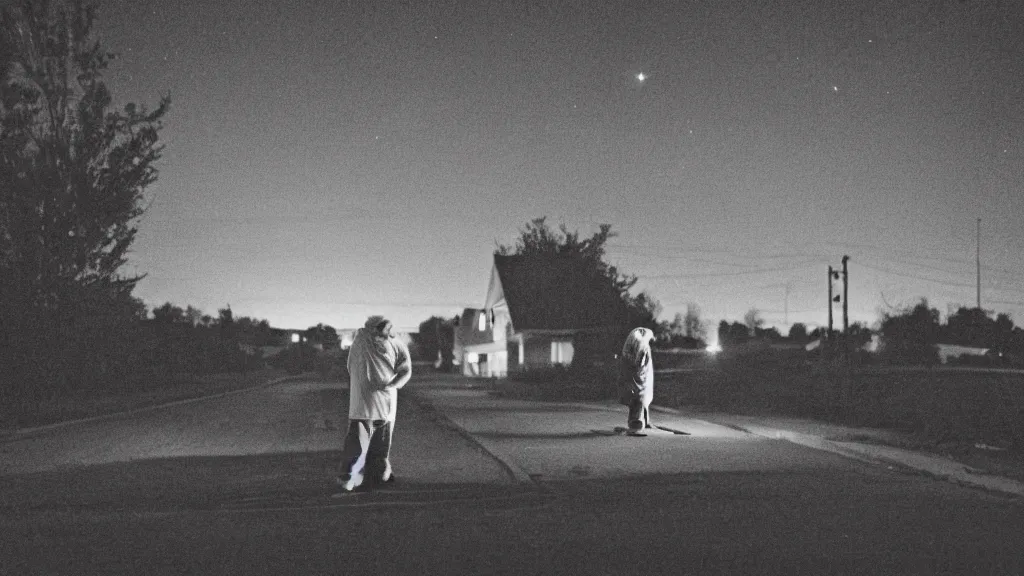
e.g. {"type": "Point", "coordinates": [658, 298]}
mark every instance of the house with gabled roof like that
{"type": "Point", "coordinates": [540, 311]}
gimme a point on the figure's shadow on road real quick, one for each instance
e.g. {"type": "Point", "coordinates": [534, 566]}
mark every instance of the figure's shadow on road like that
{"type": "Point", "coordinates": [543, 409]}
{"type": "Point", "coordinates": [536, 436]}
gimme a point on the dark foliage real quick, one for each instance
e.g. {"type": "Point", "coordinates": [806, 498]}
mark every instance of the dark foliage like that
{"type": "Point", "coordinates": [73, 170]}
{"type": "Point", "coordinates": [798, 332]}
{"type": "Point", "coordinates": [581, 264]}
{"type": "Point", "coordinates": [298, 358]}
{"type": "Point", "coordinates": [910, 337]}
{"type": "Point", "coordinates": [324, 335]}
{"type": "Point", "coordinates": [732, 334]}
{"type": "Point", "coordinates": [436, 338]}
{"type": "Point", "coordinates": [578, 381]}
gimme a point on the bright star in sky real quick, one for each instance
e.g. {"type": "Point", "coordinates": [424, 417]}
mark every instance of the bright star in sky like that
{"type": "Point", "coordinates": [641, 77]}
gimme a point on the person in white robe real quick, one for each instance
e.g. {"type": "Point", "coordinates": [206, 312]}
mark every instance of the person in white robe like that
{"type": "Point", "coordinates": [636, 378]}
{"type": "Point", "coordinates": [378, 366]}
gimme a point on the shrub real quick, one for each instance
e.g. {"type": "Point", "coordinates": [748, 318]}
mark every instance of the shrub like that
{"type": "Point", "coordinates": [297, 359]}
{"type": "Point", "coordinates": [578, 381]}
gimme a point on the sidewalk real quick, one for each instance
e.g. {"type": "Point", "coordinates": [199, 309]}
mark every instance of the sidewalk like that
{"type": "Point", "coordinates": [557, 441]}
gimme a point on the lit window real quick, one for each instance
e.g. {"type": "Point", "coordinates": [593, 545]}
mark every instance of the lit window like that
{"type": "Point", "coordinates": [482, 321]}
{"type": "Point", "coordinates": [561, 352]}
{"type": "Point", "coordinates": [472, 358]}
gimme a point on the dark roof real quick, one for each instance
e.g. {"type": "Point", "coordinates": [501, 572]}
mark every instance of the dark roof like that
{"type": "Point", "coordinates": [557, 292]}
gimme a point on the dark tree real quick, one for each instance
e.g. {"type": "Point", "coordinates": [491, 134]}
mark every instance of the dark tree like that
{"type": "Point", "coordinates": [858, 335]}
{"type": "Point", "coordinates": [732, 334]}
{"type": "Point", "coordinates": [971, 327]}
{"type": "Point", "coordinates": [435, 339]}
{"type": "Point", "coordinates": [693, 326]}
{"type": "Point", "coordinates": [169, 314]}
{"type": "Point", "coordinates": [324, 335]}
{"type": "Point", "coordinates": [910, 336]}
{"type": "Point", "coordinates": [247, 330]}
{"type": "Point", "coordinates": [538, 238]}
{"type": "Point", "coordinates": [226, 323]}
{"type": "Point", "coordinates": [753, 321]}
{"type": "Point", "coordinates": [1003, 329]}
{"type": "Point", "coordinates": [798, 332]}
{"type": "Point", "coordinates": [73, 171]}
{"type": "Point", "coordinates": [643, 312]}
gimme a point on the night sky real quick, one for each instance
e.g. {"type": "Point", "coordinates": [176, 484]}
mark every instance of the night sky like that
{"type": "Point", "coordinates": [329, 160]}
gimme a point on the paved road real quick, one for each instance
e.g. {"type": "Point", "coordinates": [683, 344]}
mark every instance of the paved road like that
{"type": "Point", "coordinates": [278, 443]}
{"type": "Point", "coordinates": [239, 485]}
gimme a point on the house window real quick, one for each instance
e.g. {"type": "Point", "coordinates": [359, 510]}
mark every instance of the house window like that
{"type": "Point", "coordinates": [482, 321]}
{"type": "Point", "coordinates": [472, 358]}
{"type": "Point", "coordinates": [561, 352]}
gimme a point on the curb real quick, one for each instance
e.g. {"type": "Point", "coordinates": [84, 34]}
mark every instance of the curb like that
{"type": "Point", "coordinates": [20, 433]}
{"type": "Point", "coordinates": [934, 466]}
{"type": "Point", "coordinates": [517, 473]}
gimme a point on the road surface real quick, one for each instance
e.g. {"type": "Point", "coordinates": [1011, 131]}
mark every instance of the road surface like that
{"type": "Point", "coordinates": [241, 485]}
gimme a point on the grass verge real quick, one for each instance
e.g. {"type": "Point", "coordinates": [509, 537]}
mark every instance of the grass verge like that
{"type": "Point", "coordinates": [168, 388]}
{"type": "Point", "coordinates": [973, 417]}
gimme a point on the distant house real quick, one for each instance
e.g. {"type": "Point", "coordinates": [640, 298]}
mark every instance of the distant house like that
{"type": "Point", "coordinates": [480, 348]}
{"type": "Point", "coordinates": [873, 345]}
{"type": "Point", "coordinates": [951, 353]}
{"type": "Point", "coordinates": [540, 311]}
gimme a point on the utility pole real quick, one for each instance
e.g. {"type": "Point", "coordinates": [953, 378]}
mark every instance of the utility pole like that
{"type": "Point", "coordinates": [847, 377]}
{"type": "Point", "coordinates": [846, 294]}
{"type": "Point", "coordinates": [977, 259]}
{"type": "Point", "coordinates": [828, 335]}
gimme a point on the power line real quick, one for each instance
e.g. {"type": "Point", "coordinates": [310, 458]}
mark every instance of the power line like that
{"type": "Point", "coordinates": [918, 264]}
{"type": "Point", "coordinates": [916, 277]}
{"type": "Point", "coordinates": [804, 311]}
{"type": "Point", "coordinates": [1007, 303]}
{"type": "Point", "coordinates": [707, 251]}
{"type": "Point", "coordinates": [905, 274]}
{"type": "Point", "coordinates": [724, 274]}
{"type": "Point", "coordinates": [923, 256]}
{"type": "Point", "coordinates": [697, 259]}
{"type": "Point", "coordinates": [933, 280]}
{"type": "Point", "coordinates": [916, 255]}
